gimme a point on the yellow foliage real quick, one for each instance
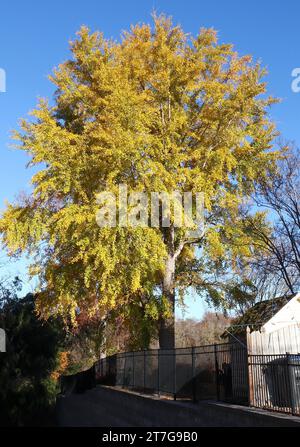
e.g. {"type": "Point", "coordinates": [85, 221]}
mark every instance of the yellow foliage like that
{"type": "Point", "coordinates": [63, 363]}
{"type": "Point", "coordinates": [159, 111]}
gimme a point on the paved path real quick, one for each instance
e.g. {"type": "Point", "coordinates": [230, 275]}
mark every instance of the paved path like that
{"type": "Point", "coordinates": [105, 407]}
{"type": "Point", "coordinates": [84, 410]}
{"type": "Point", "coordinates": [113, 407]}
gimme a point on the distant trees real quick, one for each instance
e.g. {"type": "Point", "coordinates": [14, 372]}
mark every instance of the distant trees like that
{"type": "Point", "coordinates": [118, 335]}
{"type": "Point", "coordinates": [208, 330]}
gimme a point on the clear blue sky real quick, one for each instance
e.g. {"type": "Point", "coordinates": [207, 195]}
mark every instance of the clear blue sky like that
{"type": "Point", "coordinates": [34, 38]}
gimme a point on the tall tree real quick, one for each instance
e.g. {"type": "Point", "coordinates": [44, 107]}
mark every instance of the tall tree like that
{"type": "Point", "coordinates": [159, 111]}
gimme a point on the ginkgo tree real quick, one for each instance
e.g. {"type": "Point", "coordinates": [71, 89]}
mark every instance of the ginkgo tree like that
{"type": "Point", "coordinates": [159, 110]}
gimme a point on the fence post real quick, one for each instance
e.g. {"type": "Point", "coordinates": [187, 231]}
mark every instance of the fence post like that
{"type": "Point", "coordinates": [158, 378]}
{"type": "Point", "coordinates": [124, 370]}
{"type": "Point", "coordinates": [133, 369]}
{"type": "Point", "coordinates": [217, 372]}
{"type": "Point", "coordinates": [249, 363]}
{"type": "Point", "coordinates": [116, 369]}
{"type": "Point", "coordinates": [194, 384]}
{"type": "Point", "coordinates": [144, 370]}
{"type": "Point", "coordinates": [175, 378]}
{"type": "Point", "coordinates": [290, 383]}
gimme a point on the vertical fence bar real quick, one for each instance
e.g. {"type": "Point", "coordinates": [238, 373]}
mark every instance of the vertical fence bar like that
{"type": "Point", "coordinates": [217, 372]}
{"type": "Point", "coordinates": [175, 377]}
{"type": "Point", "coordinates": [144, 370]}
{"type": "Point", "coordinates": [194, 375]}
{"type": "Point", "coordinates": [124, 370]}
{"type": "Point", "coordinates": [158, 378]}
{"type": "Point", "coordinates": [133, 369]}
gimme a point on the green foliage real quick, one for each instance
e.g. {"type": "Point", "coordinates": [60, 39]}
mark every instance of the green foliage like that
{"type": "Point", "coordinates": [37, 353]}
{"type": "Point", "coordinates": [27, 392]}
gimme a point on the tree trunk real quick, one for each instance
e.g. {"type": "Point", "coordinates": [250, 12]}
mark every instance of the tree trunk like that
{"type": "Point", "coordinates": [167, 325]}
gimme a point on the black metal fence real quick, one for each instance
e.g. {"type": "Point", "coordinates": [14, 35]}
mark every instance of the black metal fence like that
{"type": "Point", "coordinates": [217, 371]}
{"type": "Point", "coordinates": [275, 382]}
{"type": "Point", "coordinates": [225, 372]}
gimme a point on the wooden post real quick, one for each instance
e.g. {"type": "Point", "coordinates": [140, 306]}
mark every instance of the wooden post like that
{"type": "Point", "coordinates": [250, 375]}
